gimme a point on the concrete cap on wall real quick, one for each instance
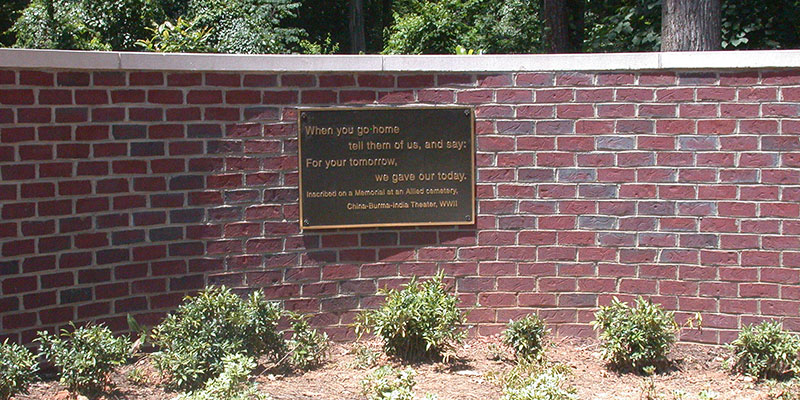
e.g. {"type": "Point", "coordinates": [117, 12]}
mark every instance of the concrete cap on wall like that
{"type": "Point", "coordinates": [97, 60]}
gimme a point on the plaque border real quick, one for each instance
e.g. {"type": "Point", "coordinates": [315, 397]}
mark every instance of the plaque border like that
{"type": "Point", "coordinates": [472, 216]}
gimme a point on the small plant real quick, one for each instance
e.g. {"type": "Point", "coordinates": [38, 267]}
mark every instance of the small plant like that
{"type": "Point", "coordinates": [387, 383]}
{"type": "Point", "coordinates": [18, 369]}
{"type": "Point", "coordinates": [194, 340]}
{"type": "Point", "coordinates": [84, 356]}
{"type": "Point", "coordinates": [788, 390]}
{"type": "Point", "coordinates": [635, 337]}
{"type": "Point", "coordinates": [766, 351]}
{"type": "Point", "coordinates": [526, 337]}
{"type": "Point", "coordinates": [308, 346]}
{"type": "Point", "coordinates": [420, 321]}
{"type": "Point", "coordinates": [707, 395]}
{"type": "Point", "coordinates": [137, 376]}
{"type": "Point", "coordinates": [364, 356]}
{"type": "Point", "coordinates": [547, 385]}
{"type": "Point", "coordinates": [231, 384]}
{"type": "Point", "coordinates": [649, 391]}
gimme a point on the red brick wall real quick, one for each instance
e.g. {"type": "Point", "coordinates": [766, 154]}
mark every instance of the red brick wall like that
{"type": "Point", "coordinates": [122, 192]}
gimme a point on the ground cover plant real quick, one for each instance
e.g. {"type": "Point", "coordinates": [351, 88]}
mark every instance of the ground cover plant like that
{"type": "Point", "coordinates": [195, 339]}
{"type": "Point", "coordinates": [84, 356]}
{"type": "Point", "coordinates": [526, 337]}
{"type": "Point", "coordinates": [548, 384]}
{"type": "Point", "coordinates": [635, 337]}
{"type": "Point", "coordinates": [18, 369]}
{"type": "Point", "coordinates": [231, 384]}
{"type": "Point", "coordinates": [420, 321]}
{"type": "Point", "coordinates": [766, 351]}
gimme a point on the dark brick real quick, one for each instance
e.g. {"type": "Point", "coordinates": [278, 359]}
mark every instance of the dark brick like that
{"type": "Point", "coordinates": [75, 295]}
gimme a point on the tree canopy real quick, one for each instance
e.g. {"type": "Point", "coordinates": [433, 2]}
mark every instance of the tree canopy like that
{"type": "Point", "coordinates": [390, 26]}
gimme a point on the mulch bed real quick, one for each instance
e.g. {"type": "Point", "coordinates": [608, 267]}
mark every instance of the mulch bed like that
{"type": "Point", "coordinates": [469, 375]}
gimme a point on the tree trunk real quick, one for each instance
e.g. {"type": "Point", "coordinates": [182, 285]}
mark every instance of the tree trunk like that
{"type": "Point", "coordinates": [358, 42]}
{"type": "Point", "coordinates": [691, 25]}
{"type": "Point", "coordinates": [563, 20]}
{"type": "Point", "coordinates": [556, 24]}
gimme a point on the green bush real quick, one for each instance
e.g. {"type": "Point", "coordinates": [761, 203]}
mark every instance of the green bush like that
{"type": "Point", "coordinates": [489, 26]}
{"type": "Point", "coordinates": [526, 337]}
{"type": "Point", "coordinates": [18, 369]}
{"type": "Point", "coordinates": [231, 384]}
{"type": "Point", "coordinates": [766, 351]}
{"type": "Point", "coordinates": [420, 321]}
{"type": "Point", "coordinates": [195, 339]}
{"type": "Point", "coordinates": [387, 383]}
{"type": "Point", "coordinates": [308, 346]}
{"type": "Point", "coordinates": [84, 356]}
{"type": "Point", "coordinates": [635, 337]}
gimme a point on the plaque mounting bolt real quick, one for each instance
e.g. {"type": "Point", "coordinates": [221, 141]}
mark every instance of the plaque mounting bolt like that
{"type": "Point", "coordinates": [306, 221]}
{"type": "Point", "coordinates": [303, 116]}
{"type": "Point", "coordinates": [467, 217]}
{"type": "Point", "coordinates": [466, 112]}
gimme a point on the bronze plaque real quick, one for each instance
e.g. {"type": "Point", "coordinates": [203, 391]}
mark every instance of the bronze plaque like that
{"type": "Point", "coordinates": [369, 167]}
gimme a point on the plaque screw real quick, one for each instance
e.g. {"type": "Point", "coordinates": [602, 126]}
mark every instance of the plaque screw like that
{"type": "Point", "coordinates": [306, 221]}
{"type": "Point", "coordinates": [303, 116]}
{"type": "Point", "coordinates": [466, 217]}
{"type": "Point", "coordinates": [466, 112]}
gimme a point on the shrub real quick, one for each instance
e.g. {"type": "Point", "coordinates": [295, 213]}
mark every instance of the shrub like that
{"type": "Point", "coordinates": [231, 384]}
{"type": "Point", "coordinates": [308, 346]}
{"type": "Point", "coordinates": [387, 383]}
{"type": "Point", "coordinates": [420, 321]}
{"type": "Point", "coordinates": [547, 385]}
{"type": "Point", "coordinates": [194, 340]}
{"type": "Point", "coordinates": [85, 356]}
{"type": "Point", "coordinates": [635, 337]}
{"type": "Point", "coordinates": [18, 369]}
{"type": "Point", "coordinates": [766, 351]}
{"type": "Point", "coordinates": [526, 337]}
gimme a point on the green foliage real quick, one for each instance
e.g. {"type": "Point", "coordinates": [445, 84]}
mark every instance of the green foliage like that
{"type": "Point", "coordinates": [194, 340]}
{"type": "Point", "coordinates": [526, 337]}
{"type": "Point", "coordinates": [308, 346]}
{"type": "Point", "coordinates": [438, 27]}
{"type": "Point", "coordinates": [56, 24]}
{"type": "Point", "coordinates": [246, 26]}
{"type": "Point", "coordinates": [766, 351]}
{"type": "Point", "coordinates": [85, 24]}
{"type": "Point", "coordinates": [623, 26]}
{"type": "Point", "coordinates": [755, 24]}
{"type": "Point", "coordinates": [635, 337]}
{"type": "Point", "coordinates": [18, 369]}
{"type": "Point", "coordinates": [420, 321]}
{"type": "Point", "coordinates": [10, 10]}
{"type": "Point", "coordinates": [120, 23]}
{"type": "Point", "coordinates": [325, 46]}
{"type": "Point", "coordinates": [181, 37]}
{"type": "Point", "coordinates": [231, 384]}
{"type": "Point", "coordinates": [85, 356]}
{"type": "Point", "coordinates": [387, 383]}
{"type": "Point", "coordinates": [227, 26]}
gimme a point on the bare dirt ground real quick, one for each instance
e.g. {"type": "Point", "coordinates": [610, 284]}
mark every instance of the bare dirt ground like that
{"type": "Point", "coordinates": [470, 375]}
